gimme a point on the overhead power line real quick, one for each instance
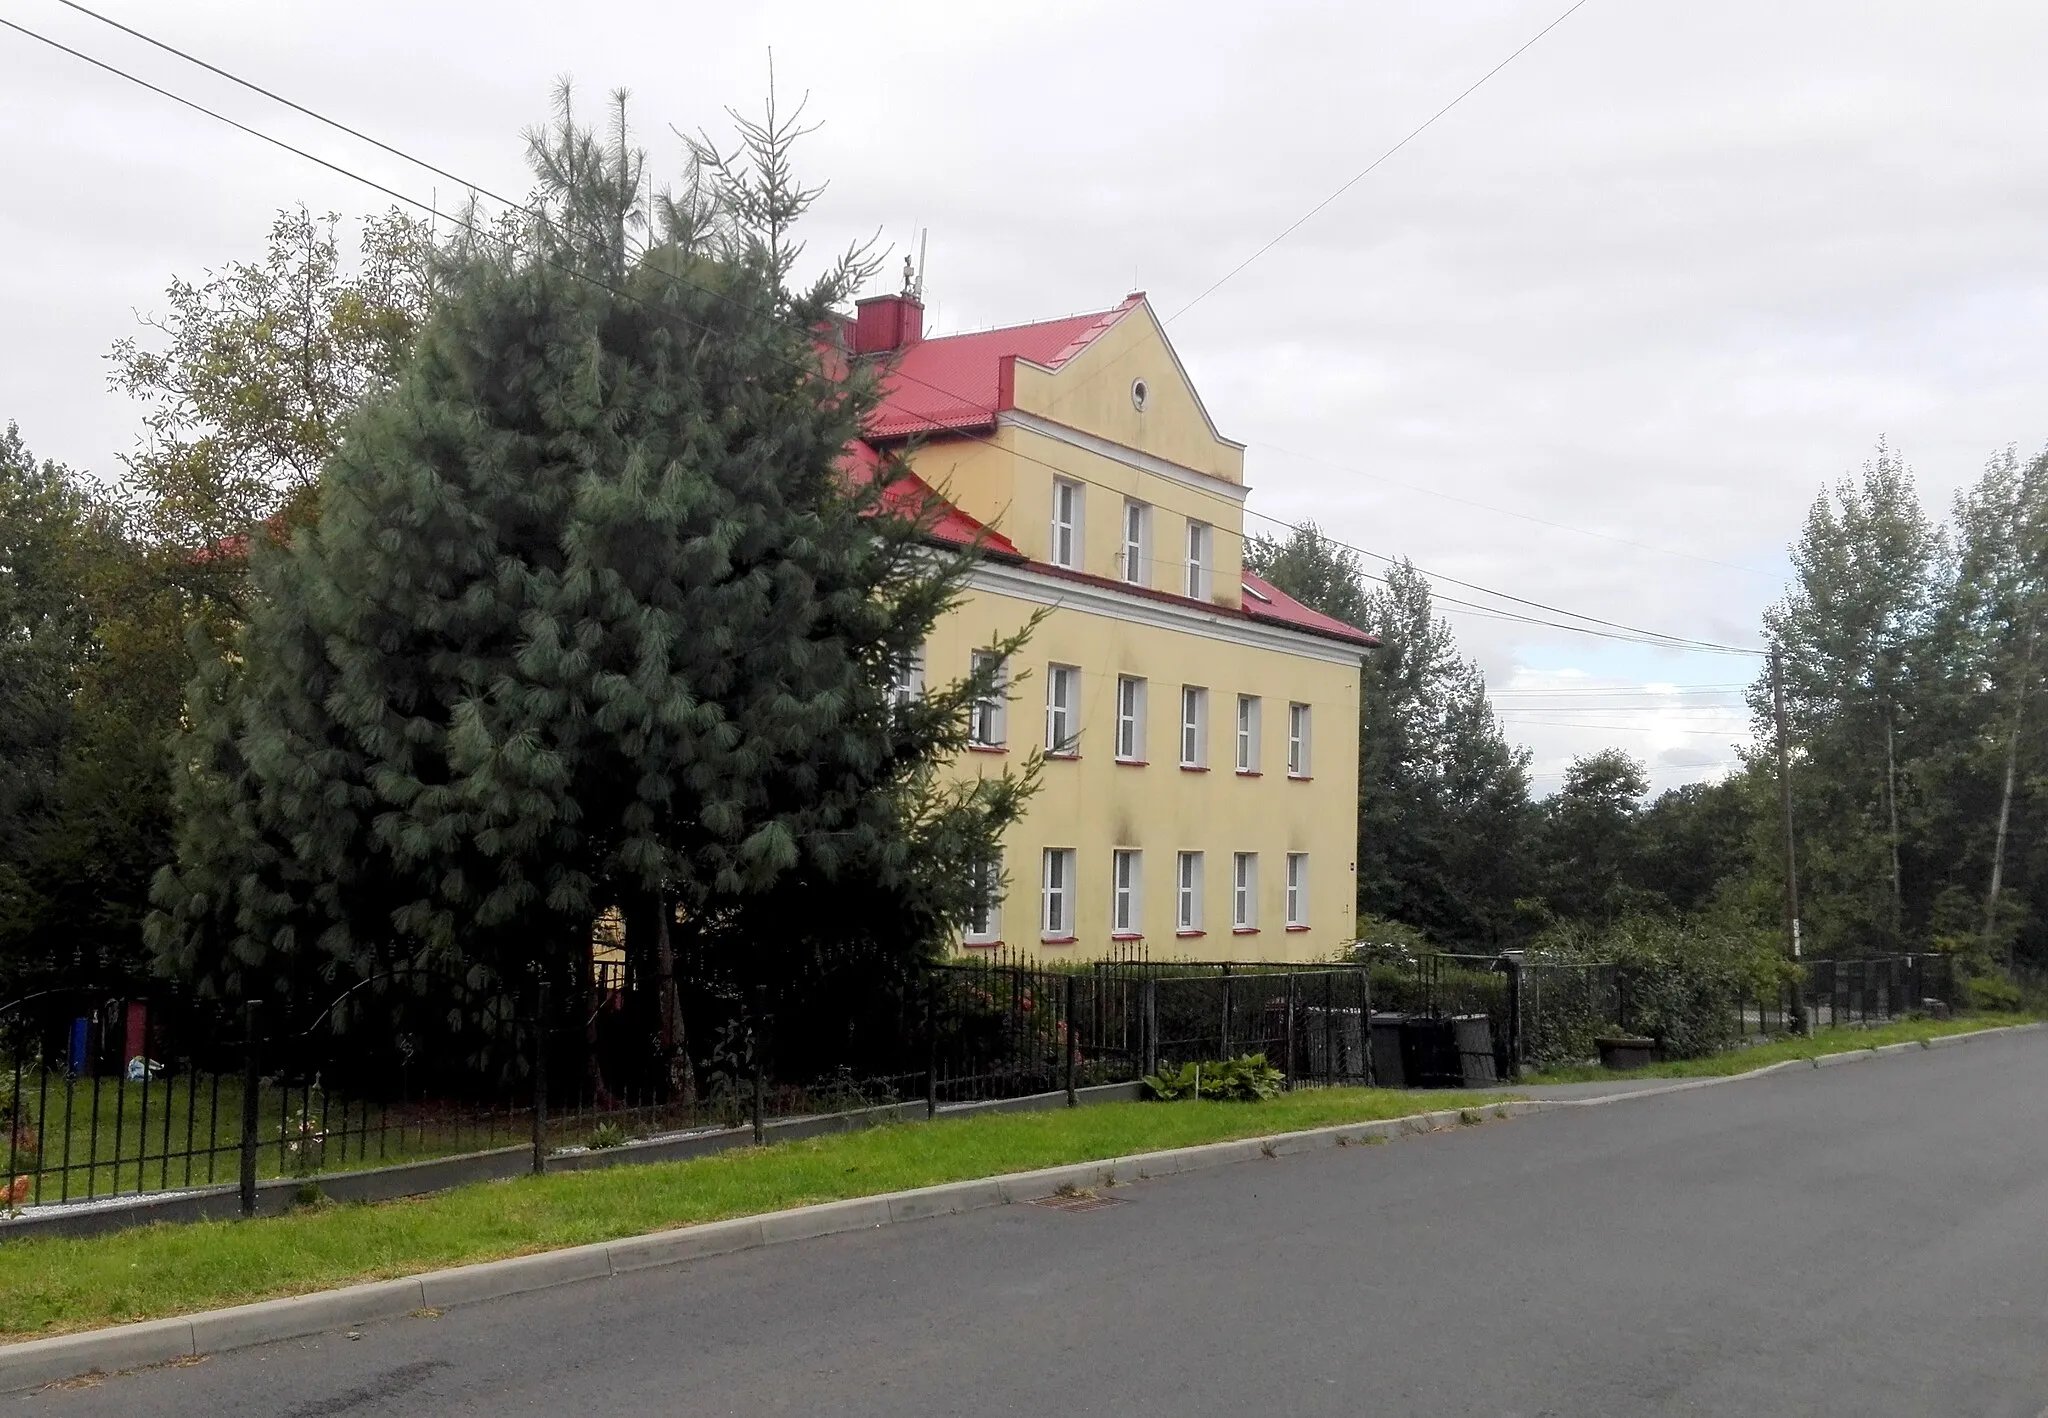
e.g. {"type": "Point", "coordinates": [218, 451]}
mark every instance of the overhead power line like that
{"type": "Point", "coordinates": [1592, 625]}
{"type": "Point", "coordinates": [1368, 169]}
{"type": "Point", "coordinates": [1526, 517]}
{"type": "Point", "coordinates": [1622, 728]}
{"type": "Point", "coordinates": [1674, 640]}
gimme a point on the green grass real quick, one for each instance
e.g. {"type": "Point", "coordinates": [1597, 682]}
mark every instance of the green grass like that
{"type": "Point", "coordinates": [1823, 1041]}
{"type": "Point", "coordinates": [55, 1285]}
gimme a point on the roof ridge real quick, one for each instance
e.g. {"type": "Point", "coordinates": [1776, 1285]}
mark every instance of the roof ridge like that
{"type": "Point", "coordinates": [1102, 323]}
{"type": "Point", "coordinates": [1097, 315]}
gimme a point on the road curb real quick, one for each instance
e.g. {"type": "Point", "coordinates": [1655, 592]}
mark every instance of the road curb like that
{"type": "Point", "coordinates": [33, 1363]}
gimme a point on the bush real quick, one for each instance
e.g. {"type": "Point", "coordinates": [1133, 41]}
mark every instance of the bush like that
{"type": "Point", "coordinates": [1992, 992]}
{"type": "Point", "coordinates": [1246, 1079]}
{"type": "Point", "coordinates": [605, 1135]}
{"type": "Point", "coordinates": [1680, 984]}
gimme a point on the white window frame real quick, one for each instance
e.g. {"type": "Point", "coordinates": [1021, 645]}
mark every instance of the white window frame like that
{"type": "Point", "coordinates": [1063, 711]}
{"type": "Point", "coordinates": [1137, 551]}
{"type": "Point", "coordinates": [1244, 891]}
{"type": "Point", "coordinates": [1248, 711]}
{"type": "Point", "coordinates": [1194, 726]}
{"type": "Point", "coordinates": [1187, 883]}
{"type": "Point", "coordinates": [1299, 733]}
{"type": "Point", "coordinates": [988, 726]}
{"type": "Point", "coordinates": [1130, 719]}
{"type": "Point", "coordinates": [1056, 894]}
{"type": "Point", "coordinates": [1126, 892]}
{"type": "Point", "coordinates": [1297, 889]}
{"type": "Point", "coordinates": [909, 682]}
{"type": "Point", "coordinates": [1201, 559]}
{"type": "Point", "coordinates": [1068, 511]}
{"type": "Point", "coordinates": [987, 929]}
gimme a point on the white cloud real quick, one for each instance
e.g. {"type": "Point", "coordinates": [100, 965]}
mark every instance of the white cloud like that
{"type": "Point", "coordinates": [1663, 277]}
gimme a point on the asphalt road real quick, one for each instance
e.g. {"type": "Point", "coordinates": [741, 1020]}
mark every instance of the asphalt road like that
{"type": "Point", "coordinates": [1869, 1240]}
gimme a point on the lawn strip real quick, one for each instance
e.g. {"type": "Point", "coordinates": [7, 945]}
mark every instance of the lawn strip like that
{"type": "Point", "coordinates": [55, 1285]}
{"type": "Point", "coordinates": [1835, 1040]}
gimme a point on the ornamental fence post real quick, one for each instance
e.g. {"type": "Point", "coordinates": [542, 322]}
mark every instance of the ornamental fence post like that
{"type": "Point", "coordinates": [540, 1078]}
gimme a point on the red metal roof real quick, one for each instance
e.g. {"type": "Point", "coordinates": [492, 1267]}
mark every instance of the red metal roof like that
{"type": "Point", "coordinates": [1265, 601]}
{"type": "Point", "coordinates": [958, 381]}
{"type": "Point", "coordinates": [909, 496]}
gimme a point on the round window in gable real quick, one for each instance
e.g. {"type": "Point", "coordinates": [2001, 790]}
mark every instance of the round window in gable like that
{"type": "Point", "coordinates": [1138, 393]}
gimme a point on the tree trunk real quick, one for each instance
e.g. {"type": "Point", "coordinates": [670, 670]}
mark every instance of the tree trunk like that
{"type": "Point", "coordinates": [596, 998]}
{"type": "Point", "coordinates": [1891, 804]}
{"type": "Point", "coordinates": [2012, 763]}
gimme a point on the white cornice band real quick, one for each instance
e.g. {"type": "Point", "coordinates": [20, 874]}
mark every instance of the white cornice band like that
{"type": "Point", "coordinates": [1024, 584]}
{"type": "Point", "coordinates": [1129, 457]}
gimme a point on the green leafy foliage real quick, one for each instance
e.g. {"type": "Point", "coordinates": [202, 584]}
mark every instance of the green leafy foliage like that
{"type": "Point", "coordinates": [91, 664]}
{"type": "Point", "coordinates": [250, 380]}
{"type": "Point", "coordinates": [1680, 984]}
{"type": "Point", "coordinates": [1247, 1078]}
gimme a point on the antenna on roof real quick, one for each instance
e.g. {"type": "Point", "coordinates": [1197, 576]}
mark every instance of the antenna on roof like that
{"type": "Point", "coordinates": [913, 272]}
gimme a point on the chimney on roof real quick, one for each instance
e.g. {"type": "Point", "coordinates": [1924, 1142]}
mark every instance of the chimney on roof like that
{"type": "Point", "coordinates": [887, 322]}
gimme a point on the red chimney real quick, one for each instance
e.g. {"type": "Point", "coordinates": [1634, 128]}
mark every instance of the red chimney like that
{"type": "Point", "coordinates": [887, 322]}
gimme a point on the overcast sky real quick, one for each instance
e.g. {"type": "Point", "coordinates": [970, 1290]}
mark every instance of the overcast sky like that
{"type": "Point", "coordinates": [1596, 338]}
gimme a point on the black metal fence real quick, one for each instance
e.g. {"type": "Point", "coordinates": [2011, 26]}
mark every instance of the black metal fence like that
{"type": "Point", "coordinates": [1552, 1012]}
{"type": "Point", "coordinates": [115, 1094]}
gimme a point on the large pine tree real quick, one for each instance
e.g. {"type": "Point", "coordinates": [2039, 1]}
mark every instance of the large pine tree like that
{"type": "Point", "coordinates": [590, 617]}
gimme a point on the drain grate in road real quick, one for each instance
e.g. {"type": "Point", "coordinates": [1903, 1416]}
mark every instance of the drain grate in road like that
{"type": "Point", "coordinates": [1078, 1201]}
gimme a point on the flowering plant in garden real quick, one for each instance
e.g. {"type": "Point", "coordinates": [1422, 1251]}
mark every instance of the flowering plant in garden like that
{"type": "Point", "coordinates": [305, 1142]}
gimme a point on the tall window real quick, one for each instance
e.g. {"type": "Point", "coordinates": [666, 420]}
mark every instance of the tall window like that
{"type": "Point", "coordinates": [1126, 892]}
{"type": "Point", "coordinates": [1056, 919]}
{"type": "Point", "coordinates": [985, 729]}
{"type": "Point", "coordinates": [1130, 719]}
{"type": "Point", "coordinates": [1062, 709]}
{"type": "Point", "coordinates": [1244, 891]}
{"type": "Point", "coordinates": [1247, 733]}
{"type": "Point", "coordinates": [1194, 726]}
{"type": "Point", "coordinates": [1297, 888]}
{"type": "Point", "coordinates": [1187, 912]}
{"type": "Point", "coordinates": [1137, 553]}
{"type": "Point", "coordinates": [985, 921]}
{"type": "Point", "coordinates": [1200, 535]}
{"type": "Point", "coordinates": [909, 681]}
{"type": "Point", "coordinates": [1066, 523]}
{"type": "Point", "coordinates": [1297, 741]}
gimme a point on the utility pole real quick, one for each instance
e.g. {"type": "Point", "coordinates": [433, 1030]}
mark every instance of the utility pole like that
{"type": "Point", "coordinates": [2012, 763]}
{"type": "Point", "coordinates": [1791, 857]}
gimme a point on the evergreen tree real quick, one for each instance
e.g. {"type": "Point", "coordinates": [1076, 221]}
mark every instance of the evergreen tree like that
{"type": "Point", "coordinates": [590, 617]}
{"type": "Point", "coordinates": [1443, 796]}
{"type": "Point", "coordinates": [1443, 799]}
{"type": "Point", "coordinates": [1314, 570]}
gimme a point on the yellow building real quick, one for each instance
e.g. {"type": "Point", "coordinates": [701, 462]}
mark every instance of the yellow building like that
{"type": "Point", "coordinates": [1199, 798]}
